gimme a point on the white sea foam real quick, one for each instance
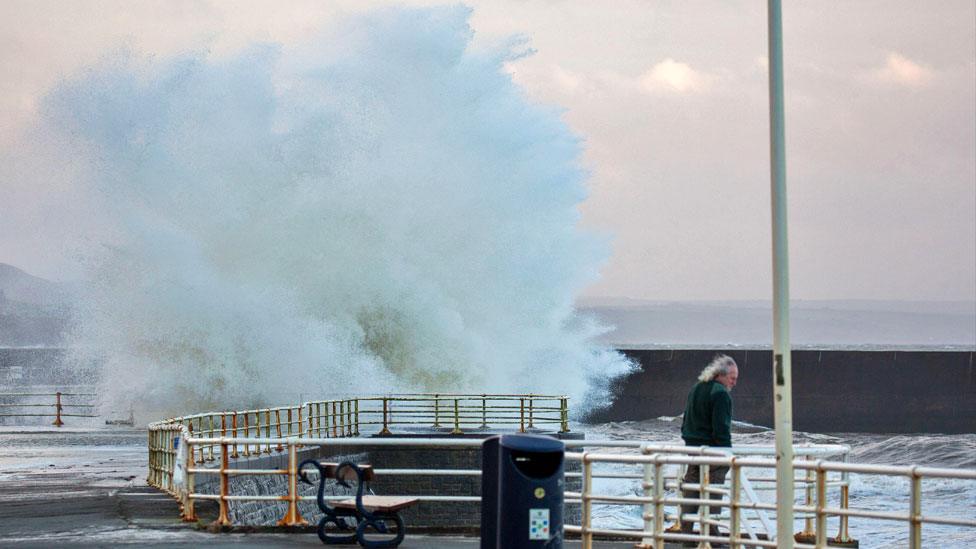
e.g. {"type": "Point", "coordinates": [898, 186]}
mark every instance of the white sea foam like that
{"type": "Point", "coordinates": [377, 209]}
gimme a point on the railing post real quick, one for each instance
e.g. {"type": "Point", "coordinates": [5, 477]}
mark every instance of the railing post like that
{"type": "Point", "coordinates": [267, 430]}
{"type": "Point", "coordinates": [915, 532]}
{"type": "Point", "coordinates": [335, 433]}
{"type": "Point", "coordinates": [189, 511]}
{"type": "Point", "coordinates": [647, 510]}
{"type": "Point", "coordinates": [821, 528]}
{"type": "Point", "coordinates": [212, 432]}
{"type": "Point", "coordinates": [457, 419]}
{"type": "Point", "coordinates": [735, 510]}
{"type": "Point", "coordinates": [247, 433]}
{"type": "Point", "coordinates": [531, 411]}
{"type": "Point", "coordinates": [437, 411]}
{"type": "Point", "coordinates": [292, 516]}
{"type": "Point", "coordinates": [349, 418]}
{"type": "Point", "coordinates": [57, 410]}
{"type": "Point", "coordinates": [290, 419]}
{"type": "Point", "coordinates": [318, 419]}
{"type": "Point", "coordinates": [356, 403]}
{"type": "Point", "coordinates": [842, 534]}
{"type": "Point", "coordinates": [521, 415]}
{"type": "Point", "coordinates": [586, 535]}
{"type": "Point", "coordinates": [386, 417]}
{"type": "Point", "coordinates": [279, 447]}
{"type": "Point", "coordinates": [564, 414]}
{"type": "Point", "coordinates": [300, 426]}
{"type": "Point", "coordinates": [223, 519]}
{"type": "Point", "coordinates": [484, 412]}
{"type": "Point", "coordinates": [703, 509]}
{"type": "Point", "coordinates": [808, 534]}
{"type": "Point", "coordinates": [658, 504]}
{"type": "Point", "coordinates": [233, 425]}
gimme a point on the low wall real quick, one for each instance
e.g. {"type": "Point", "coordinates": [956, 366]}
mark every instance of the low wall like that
{"type": "Point", "coordinates": [880, 391]}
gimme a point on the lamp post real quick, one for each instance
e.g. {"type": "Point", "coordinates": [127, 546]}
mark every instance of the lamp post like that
{"type": "Point", "coordinates": [782, 383]}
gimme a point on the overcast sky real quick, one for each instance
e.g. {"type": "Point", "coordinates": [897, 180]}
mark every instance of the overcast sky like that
{"type": "Point", "coordinates": [670, 101]}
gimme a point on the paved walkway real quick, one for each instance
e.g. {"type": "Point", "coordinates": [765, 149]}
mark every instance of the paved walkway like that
{"type": "Point", "coordinates": [88, 488]}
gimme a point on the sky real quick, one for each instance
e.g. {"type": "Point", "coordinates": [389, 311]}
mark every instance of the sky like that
{"type": "Point", "coordinates": [670, 102]}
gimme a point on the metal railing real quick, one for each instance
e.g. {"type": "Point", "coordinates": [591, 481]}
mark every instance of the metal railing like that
{"type": "Point", "coordinates": [382, 415]}
{"type": "Point", "coordinates": [60, 404]}
{"type": "Point", "coordinates": [183, 448]}
{"type": "Point", "coordinates": [739, 499]}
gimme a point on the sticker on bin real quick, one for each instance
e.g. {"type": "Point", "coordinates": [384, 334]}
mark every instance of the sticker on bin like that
{"type": "Point", "coordinates": [539, 524]}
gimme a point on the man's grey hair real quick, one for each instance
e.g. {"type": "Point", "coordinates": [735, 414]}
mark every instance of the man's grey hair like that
{"type": "Point", "coordinates": [719, 365]}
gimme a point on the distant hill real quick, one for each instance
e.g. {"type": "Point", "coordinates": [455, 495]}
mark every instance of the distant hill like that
{"type": "Point", "coordinates": [33, 311]}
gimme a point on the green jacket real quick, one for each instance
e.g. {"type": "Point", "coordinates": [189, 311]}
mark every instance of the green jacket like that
{"type": "Point", "coordinates": [708, 416]}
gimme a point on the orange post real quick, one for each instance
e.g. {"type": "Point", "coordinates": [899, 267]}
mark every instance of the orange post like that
{"type": "Point", "coordinates": [247, 433]}
{"type": "Point", "coordinates": [233, 425]}
{"type": "Point", "coordinates": [223, 519]}
{"type": "Point", "coordinates": [57, 406]}
{"type": "Point", "coordinates": [292, 516]}
{"type": "Point", "coordinates": [278, 429]}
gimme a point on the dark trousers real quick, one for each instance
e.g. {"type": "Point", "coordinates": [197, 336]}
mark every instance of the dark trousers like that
{"type": "Point", "coordinates": [716, 476]}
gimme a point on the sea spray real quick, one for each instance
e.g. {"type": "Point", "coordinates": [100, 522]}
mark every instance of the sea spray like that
{"type": "Point", "coordinates": [377, 209]}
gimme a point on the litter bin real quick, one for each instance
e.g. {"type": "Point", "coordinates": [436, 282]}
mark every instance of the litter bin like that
{"type": "Point", "coordinates": [522, 492]}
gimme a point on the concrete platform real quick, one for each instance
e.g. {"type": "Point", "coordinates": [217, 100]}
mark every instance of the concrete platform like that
{"type": "Point", "coordinates": [88, 488]}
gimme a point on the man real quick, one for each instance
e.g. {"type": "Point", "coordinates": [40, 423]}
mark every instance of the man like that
{"type": "Point", "coordinates": [708, 422]}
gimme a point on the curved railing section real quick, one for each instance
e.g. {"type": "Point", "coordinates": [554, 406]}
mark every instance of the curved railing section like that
{"type": "Point", "coordinates": [180, 449]}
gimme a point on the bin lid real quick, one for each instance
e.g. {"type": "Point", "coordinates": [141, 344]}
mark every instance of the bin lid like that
{"type": "Point", "coordinates": [531, 443]}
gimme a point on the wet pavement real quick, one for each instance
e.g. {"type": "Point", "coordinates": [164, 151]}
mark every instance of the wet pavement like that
{"type": "Point", "coordinates": [87, 487]}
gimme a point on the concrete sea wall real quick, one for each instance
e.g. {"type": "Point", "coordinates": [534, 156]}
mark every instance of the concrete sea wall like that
{"type": "Point", "coordinates": [880, 391]}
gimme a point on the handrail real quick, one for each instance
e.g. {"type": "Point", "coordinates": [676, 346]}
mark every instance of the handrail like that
{"type": "Point", "coordinates": [654, 534]}
{"type": "Point", "coordinates": [180, 451]}
{"type": "Point", "coordinates": [58, 405]}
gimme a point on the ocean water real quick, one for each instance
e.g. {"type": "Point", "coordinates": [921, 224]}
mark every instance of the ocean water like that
{"type": "Point", "coordinates": [950, 498]}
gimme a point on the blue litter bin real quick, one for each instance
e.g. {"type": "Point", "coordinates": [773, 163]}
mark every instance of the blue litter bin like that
{"type": "Point", "coordinates": [522, 485]}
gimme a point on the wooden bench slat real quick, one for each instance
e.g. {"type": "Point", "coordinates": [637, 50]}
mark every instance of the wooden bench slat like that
{"type": "Point", "coordinates": [384, 504]}
{"type": "Point", "coordinates": [348, 473]}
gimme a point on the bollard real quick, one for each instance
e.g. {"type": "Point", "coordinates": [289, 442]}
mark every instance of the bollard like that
{"type": "Point", "coordinates": [57, 407]}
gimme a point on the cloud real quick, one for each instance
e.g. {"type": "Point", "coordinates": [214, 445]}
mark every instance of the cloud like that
{"type": "Point", "coordinates": [673, 76]}
{"type": "Point", "coordinates": [902, 71]}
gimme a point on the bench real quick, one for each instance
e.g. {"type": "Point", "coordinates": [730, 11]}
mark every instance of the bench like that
{"type": "Point", "coordinates": [373, 514]}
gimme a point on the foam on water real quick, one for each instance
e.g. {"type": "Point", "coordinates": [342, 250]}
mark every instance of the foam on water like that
{"type": "Point", "coordinates": [377, 209]}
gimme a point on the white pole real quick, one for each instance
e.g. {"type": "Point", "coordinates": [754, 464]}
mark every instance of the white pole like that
{"type": "Point", "coordinates": [782, 384]}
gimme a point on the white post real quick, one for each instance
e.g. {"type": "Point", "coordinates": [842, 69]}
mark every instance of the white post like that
{"type": "Point", "coordinates": [782, 384]}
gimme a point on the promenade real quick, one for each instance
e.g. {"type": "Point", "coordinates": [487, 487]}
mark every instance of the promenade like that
{"type": "Point", "coordinates": [87, 487]}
